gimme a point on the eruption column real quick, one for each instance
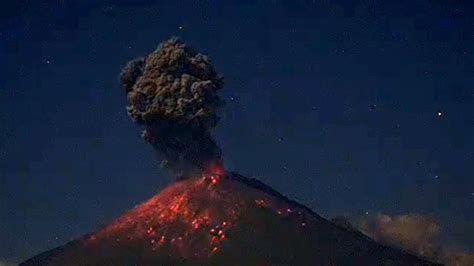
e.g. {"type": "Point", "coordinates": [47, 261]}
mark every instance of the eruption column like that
{"type": "Point", "coordinates": [172, 93]}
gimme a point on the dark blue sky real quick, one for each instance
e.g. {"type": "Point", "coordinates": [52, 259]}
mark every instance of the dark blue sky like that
{"type": "Point", "coordinates": [345, 106]}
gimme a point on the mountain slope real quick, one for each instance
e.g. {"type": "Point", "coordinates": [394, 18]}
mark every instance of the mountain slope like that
{"type": "Point", "coordinates": [223, 220]}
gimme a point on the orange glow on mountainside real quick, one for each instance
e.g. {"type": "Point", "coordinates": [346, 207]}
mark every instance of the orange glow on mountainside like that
{"type": "Point", "coordinates": [182, 221]}
{"type": "Point", "coordinates": [222, 218]}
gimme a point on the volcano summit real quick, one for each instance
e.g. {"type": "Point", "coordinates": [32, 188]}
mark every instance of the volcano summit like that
{"type": "Point", "coordinates": [210, 216]}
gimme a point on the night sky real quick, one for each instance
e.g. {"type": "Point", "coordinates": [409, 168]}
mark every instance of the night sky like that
{"type": "Point", "coordinates": [350, 107]}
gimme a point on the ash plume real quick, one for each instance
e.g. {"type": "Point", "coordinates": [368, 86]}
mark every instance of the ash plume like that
{"type": "Point", "coordinates": [172, 94]}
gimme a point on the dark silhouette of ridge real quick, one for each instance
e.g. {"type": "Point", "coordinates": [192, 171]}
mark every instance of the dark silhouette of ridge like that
{"type": "Point", "coordinates": [223, 220]}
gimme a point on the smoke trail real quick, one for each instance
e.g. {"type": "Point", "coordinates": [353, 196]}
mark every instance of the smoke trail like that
{"type": "Point", "coordinates": [172, 93]}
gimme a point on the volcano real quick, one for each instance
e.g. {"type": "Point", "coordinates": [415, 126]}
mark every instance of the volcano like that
{"type": "Point", "coordinates": [223, 219]}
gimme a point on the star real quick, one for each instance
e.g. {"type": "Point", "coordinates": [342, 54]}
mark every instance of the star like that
{"type": "Point", "coordinates": [48, 61]}
{"type": "Point", "coordinates": [439, 113]}
{"type": "Point", "coordinates": [180, 27]}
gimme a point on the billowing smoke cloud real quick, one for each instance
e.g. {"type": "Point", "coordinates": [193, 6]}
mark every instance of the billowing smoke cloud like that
{"type": "Point", "coordinates": [172, 93]}
{"type": "Point", "coordinates": [415, 233]}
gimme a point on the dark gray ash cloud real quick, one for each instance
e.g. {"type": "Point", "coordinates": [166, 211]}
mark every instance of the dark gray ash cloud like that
{"type": "Point", "coordinates": [172, 94]}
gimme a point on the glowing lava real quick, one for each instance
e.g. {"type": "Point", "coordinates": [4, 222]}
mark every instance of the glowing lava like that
{"type": "Point", "coordinates": [223, 219]}
{"type": "Point", "coordinates": [215, 168]}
